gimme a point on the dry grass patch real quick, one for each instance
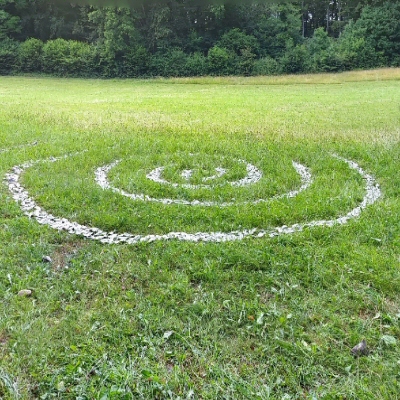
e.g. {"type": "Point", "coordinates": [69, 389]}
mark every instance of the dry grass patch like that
{"type": "Point", "coordinates": [381, 74]}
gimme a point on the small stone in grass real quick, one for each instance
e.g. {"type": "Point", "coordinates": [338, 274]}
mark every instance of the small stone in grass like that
{"type": "Point", "coordinates": [46, 259]}
{"type": "Point", "coordinates": [25, 293]}
{"type": "Point", "coordinates": [360, 349]}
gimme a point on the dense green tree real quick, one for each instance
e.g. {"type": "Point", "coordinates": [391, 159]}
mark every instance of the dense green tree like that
{"type": "Point", "coordinates": [275, 26]}
{"type": "Point", "coordinates": [221, 61]}
{"type": "Point", "coordinates": [10, 24]}
{"type": "Point", "coordinates": [380, 27]}
{"type": "Point", "coordinates": [30, 54]}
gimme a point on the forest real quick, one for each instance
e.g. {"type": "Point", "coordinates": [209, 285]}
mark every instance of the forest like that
{"type": "Point", "coordinates": [192, 38]}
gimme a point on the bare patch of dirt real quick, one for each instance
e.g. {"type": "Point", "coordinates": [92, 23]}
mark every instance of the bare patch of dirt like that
{"type": "Point", "coordinates": [392, 306]}
{"type": "Point", "coordinates": [368, 314]}
{"type": "Point", "coordinates": [4, 338]}
{"type": "Point", "coordinates": [64, 253]}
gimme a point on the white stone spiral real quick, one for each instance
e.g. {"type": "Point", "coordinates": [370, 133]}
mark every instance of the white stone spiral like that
{"type": "Point", "coordinates": [31, 209]}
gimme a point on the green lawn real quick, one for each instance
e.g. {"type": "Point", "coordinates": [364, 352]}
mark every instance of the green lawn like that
{"type": "Point", "coordinates": [188, 308]}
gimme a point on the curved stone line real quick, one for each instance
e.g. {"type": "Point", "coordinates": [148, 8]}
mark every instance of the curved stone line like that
{"type": "Point", "coordinates": [11, 384]}
{"type": "Point", "coordinates": [19, 146]}
{"type": "Point", "coordinates": [101, 178]}
{"type": "Point", "coordinates": [253, 176]}
{"type": "Point", "coordinates": [219, 172]}
{"type": "Point", "coordinates": [30, 208]}
{"type": "Point", "coordinates": [155, 176]}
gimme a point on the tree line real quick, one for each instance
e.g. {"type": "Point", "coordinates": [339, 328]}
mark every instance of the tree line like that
{"type": "Point", "coordinates": [192, 38]}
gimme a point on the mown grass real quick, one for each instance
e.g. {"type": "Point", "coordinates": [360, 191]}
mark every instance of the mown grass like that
{"type": "Point", "coordinates": [253, 319]}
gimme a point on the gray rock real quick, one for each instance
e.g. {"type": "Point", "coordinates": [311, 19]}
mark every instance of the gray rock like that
{"type": "Point", "coordinates": [360, 349]}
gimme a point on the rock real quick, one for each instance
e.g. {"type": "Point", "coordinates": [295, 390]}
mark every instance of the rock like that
{"type": "Point", "coordinates": [46, 259]}
{"type": "Point", "coordinates": [25, 293]}
{"type": "Point", "coordinates": [360, 349]}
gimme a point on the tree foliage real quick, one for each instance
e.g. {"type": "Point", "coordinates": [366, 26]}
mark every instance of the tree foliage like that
{"type": "Point", "coordinates": [183, 37]}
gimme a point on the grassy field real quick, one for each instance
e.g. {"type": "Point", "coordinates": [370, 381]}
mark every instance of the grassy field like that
{"type": "Point", "coordinates": [183, 316]}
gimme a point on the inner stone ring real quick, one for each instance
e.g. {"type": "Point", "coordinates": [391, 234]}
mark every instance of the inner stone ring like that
{"type": "Point", "coordinates": [253, 176]}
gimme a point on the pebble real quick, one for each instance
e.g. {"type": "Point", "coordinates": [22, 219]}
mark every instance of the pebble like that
{"type": "Point", "coordinates": [25, 293]}
{"type": "Point", "coordinates": [46, 259]}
